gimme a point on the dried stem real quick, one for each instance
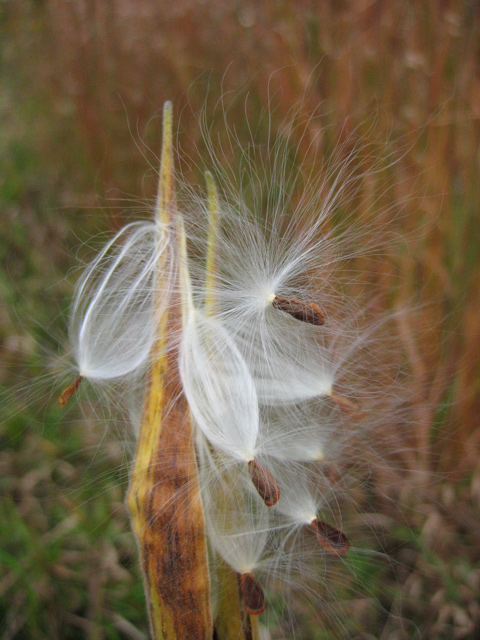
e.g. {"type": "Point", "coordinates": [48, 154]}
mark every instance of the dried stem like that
{"type": "Point", "coordinates": [164, 498]}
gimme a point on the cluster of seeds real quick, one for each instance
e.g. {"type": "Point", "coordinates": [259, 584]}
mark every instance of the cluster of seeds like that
{"type": "Point", "coordinates": [266, 360]}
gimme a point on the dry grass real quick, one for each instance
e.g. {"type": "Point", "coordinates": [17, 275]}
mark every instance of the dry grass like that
{"type": "Point", "coordinates": [70, 74]}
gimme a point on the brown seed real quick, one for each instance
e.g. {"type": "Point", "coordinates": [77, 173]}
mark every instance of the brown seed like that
{"type": "Point", "coordinates": [70, 391]}
{"type": "Point", "coordinates": [252, 594]}
{"type": "Point", "coordinates": [347, 406]}
{"type": "Point", "coordinates": [332, 540]}
{"type": "Point", "coordinates": [264, 483]}
{"type": "Point", "coordinates": [304, 311]}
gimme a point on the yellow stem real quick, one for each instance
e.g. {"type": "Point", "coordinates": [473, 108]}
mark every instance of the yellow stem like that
{"type": "Point", "coordinates": [255, 627]}
{"type": "Point", "coordinates": [165, 194]}
{"type": "Point", "coordinates": [164, 497]}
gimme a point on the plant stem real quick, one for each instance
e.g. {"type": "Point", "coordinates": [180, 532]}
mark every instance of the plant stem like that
{"type": "Point", "coordinates": [164, 497]}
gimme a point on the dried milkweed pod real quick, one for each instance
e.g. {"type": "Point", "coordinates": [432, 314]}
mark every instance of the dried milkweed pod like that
{"type": "Point", "coordinates": [212, 307]}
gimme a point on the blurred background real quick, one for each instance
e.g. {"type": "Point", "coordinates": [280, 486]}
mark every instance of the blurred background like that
{"type": "Point", "coordinates": [82, 87]}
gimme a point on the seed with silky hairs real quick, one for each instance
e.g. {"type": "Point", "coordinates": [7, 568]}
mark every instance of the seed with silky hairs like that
{"type": "Point", "coordinates": [264, 483]}
{"type": "Point", "coordinates": [70, 391]}
{"type": "Point", "coordinates": [252, 594]}
{"type": "Point", "coordinates": [305, 311]}
{"type": "Point", "coordinates": [332, 540]}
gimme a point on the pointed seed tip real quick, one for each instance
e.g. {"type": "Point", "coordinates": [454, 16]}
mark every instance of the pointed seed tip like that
{"type": "Point", "coordinates": [332, 540]}
{"type": "Point", "coordinates": [252, 594]}
{"type": "Point", "coordinates": [264, 483]}
{"type": "Point", "coordinates": [70, 391]}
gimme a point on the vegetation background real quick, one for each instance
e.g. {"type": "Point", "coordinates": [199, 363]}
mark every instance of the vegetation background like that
{"type": "Point", "coordinates": [73, 76]}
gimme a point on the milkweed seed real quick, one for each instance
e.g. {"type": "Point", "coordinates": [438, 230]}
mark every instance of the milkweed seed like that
{"type": "Point", "coordinates": [332, 540]}
{"type": "Point", "coordinates": [264, 483]}
{"type": "Point", "coordinates": [70, 391]}
{"type": "Point", "coordinates": [252, 594]}
{"type": "Point", "coordinates": [305, 311]}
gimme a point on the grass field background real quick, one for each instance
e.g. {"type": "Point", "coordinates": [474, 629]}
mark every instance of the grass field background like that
{"type": "Point", "coordinates": [82, 86]}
